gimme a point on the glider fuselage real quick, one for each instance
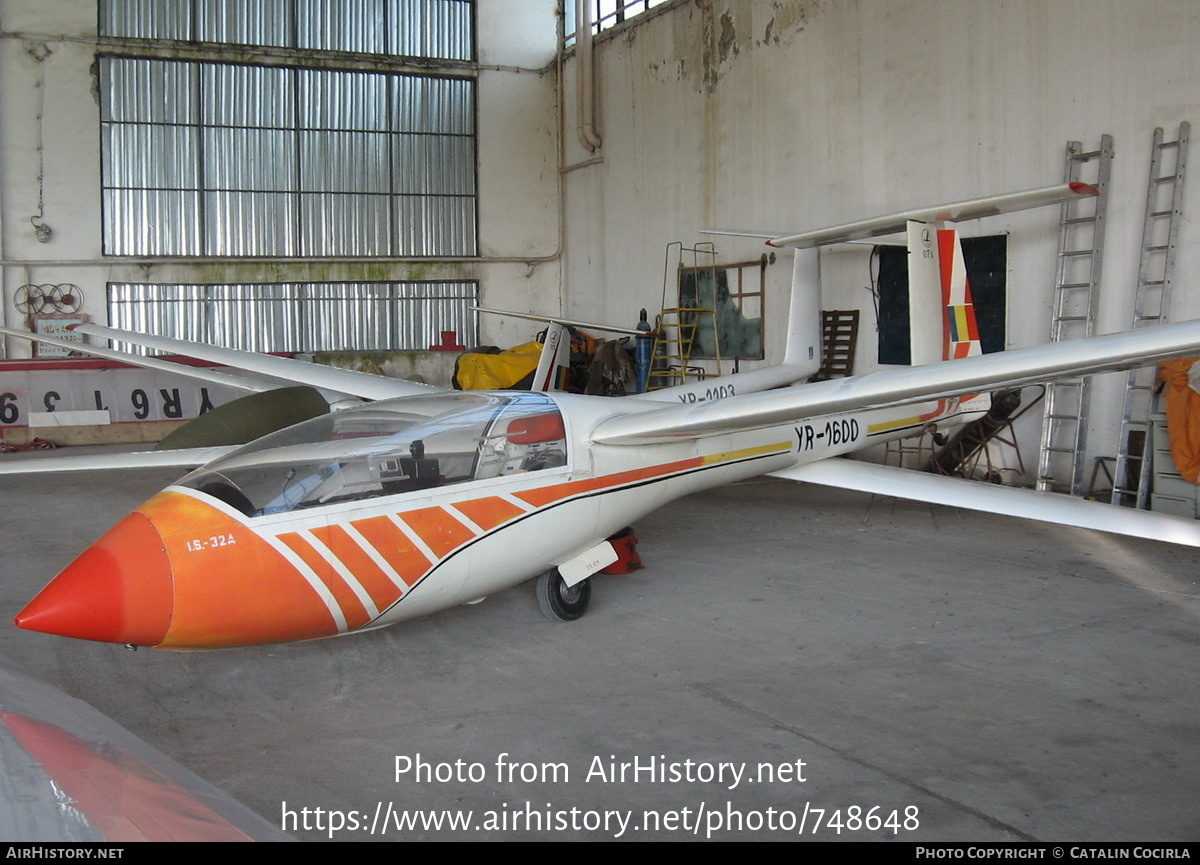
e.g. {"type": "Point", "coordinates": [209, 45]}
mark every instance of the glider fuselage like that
{"type": "Point", "coordinates": [342, 528]}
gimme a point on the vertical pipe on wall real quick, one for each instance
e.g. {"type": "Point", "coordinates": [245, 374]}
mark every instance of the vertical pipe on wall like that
{"type": "Point", "coordinates": [588, 136]}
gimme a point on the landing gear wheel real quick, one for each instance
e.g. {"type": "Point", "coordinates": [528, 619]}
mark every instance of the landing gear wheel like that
{"type": "Point", "coordinates": [561, 602]}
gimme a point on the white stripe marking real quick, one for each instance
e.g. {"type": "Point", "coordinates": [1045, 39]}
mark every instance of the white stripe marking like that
{"type": "Point", "coordinates": [328, 555]}
{"type": "Point", "coordinates": [513, 500]}
{"type": "Point", "coordinates": [467, 521]}
{"type": "Point", "coordinates": [411, 534]}
{"type": "Point", "coordinates": [374, 556]}
{"type": "Point", "coordinates": [318, 585]}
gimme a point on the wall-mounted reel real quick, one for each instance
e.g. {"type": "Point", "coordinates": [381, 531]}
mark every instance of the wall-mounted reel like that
{"type": "Point", "coordinates": [41, 299]}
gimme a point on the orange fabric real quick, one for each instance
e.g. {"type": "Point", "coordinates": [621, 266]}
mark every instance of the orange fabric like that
{"type": "Point", "coordinates": [1183, 416]}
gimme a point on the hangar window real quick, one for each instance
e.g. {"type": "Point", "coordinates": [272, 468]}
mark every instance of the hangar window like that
{"type": "Point", "coordinates": [351, 134]}
{"type": "Point", "coordinates": [299, 316]}
{"type": "Point", "coordinates": [606, 14]}
{"type": "Point", "coordinates": [223, 159]}
{"type": "Point", "coordinates": [433, 29]}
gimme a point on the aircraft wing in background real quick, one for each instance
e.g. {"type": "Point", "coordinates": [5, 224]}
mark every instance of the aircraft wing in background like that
{"type": "Point", "coordinates": [211, 376]}
{"type": "Point", "coordinates": [284, 369]}
{"type": "Point", "coordinates": [962, 211]}
{"type": "Point", "coordinates": [894, 223]}
{"type": "Point", "coordinates": [907, 385]}
{"type": "Point", "coordinates": [996, 499]}
{"type": "Point", "coordinates": [186, 458]}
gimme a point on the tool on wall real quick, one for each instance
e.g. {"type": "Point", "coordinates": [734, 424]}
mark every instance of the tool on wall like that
{"type": "Point", "coordinates": [32, 299]}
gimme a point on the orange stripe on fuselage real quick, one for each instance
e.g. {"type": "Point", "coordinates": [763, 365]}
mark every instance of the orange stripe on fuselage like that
{"type": "Point", "coordinates": [378, 585]}
{"type": "Point", "coordinates": [395, 547]}
{"type": "Point", "coordinates": [352, 608]}
{"type": "Point", "coordinates": [487, 513]}
{"type": "Point", "coordinates": [547, 495]}
{"type": "Point", "coordinates": [441, 532]}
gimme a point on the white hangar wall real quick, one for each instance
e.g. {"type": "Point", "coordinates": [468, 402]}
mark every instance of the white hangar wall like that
{"type": "Point", "coordinates": [795, 114]}
{"type": "Point", "coordinates": [50, 128]}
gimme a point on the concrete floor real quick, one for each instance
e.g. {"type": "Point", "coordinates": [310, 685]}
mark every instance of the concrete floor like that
{"type": "Point", "coordinates": [1000, 679]}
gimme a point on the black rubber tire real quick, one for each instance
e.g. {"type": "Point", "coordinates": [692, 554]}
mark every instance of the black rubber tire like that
{"type": "Point", "coordinates": [560, 602]}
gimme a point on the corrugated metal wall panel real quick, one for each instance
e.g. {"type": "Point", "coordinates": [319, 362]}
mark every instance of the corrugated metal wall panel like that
{"type": "Point", "coordinates": [146, 19]}
{"type": "Point", "coordinates": [250, 223]}
{"type": "Point", "coordinates": [148, 91]}
{"type": "Point", "coordinates": [246, 22]}
{"type": "Point", "coordinates": [293, 317]}
{"type": "Point", "coordinates": [235, 132]}
{"type": "Point", "coordinates": [431, 28]}
{"type": "Point", "coordinates": [332, 99]}
{"type": "Point", "coordinates": [441, 105]}
{"type": "Point", "coordinates": [345, 162]}
{"type": "Point", "coordinates": [434, 165]}
{"type": "Point", "coordinates": [239, 95]}
{"type": "Point", "coordinates": [145, 157]}
{"type": "Point", "coordinates": [435, 226]}
{"type": "Point", "coordinates": [152, 222]}
{"type": "Point", "coordinates": [345, 25]}
{"type": "Point", "coordinates": [250, 159]}
{"type": "Point", "coordinates": [434, 29]}
{"type": "Point", "coordinates": [231, 159]}
{"type": "Point", "coordinates": [344, 225]}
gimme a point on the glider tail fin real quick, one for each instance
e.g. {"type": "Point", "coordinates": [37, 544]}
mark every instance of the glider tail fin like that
{"type": "Point", "coordinates": [803, 346]}
{"type": "Point", "coordinates": [555, 359]}
{"type": "Point", "coordinates": [941, 309]}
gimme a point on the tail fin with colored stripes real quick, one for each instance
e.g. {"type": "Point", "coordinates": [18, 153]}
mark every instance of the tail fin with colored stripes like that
{"type": "Point", "coordinates": [941, 309]}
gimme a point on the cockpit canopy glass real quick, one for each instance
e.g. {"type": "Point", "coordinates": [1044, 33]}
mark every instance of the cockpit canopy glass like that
{"type": "Point", "coordinates": [386, 448]}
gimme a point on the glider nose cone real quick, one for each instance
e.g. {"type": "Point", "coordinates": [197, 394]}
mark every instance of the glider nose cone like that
{"type": "Point", "coordinates": [118, 591]}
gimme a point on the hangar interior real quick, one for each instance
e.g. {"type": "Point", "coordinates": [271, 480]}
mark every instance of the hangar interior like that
{"type": "Point", "coordinates": [293, 176]}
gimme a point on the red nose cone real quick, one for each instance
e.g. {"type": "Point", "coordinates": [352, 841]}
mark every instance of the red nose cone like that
{"type": "Point", "coordinates": [118, 591]}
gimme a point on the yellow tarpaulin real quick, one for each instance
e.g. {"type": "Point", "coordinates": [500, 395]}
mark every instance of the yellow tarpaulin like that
{"type": "Point", "coordinates": [497, 371]}
{"type": "Point", "coordinates": [1183, 416]}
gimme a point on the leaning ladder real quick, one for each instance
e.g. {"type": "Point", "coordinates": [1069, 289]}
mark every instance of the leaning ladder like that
{"type": "Point", "coordinates": [678, 326]}
{"type": "Point", "coordinates": [675, 337]}
{"type": "Point", "coordinates": [1151, 307]}
{"type": "Point", "coordinates": [1076, 290]}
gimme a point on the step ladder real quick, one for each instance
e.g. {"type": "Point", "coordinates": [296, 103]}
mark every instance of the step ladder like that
{"type": "Point", "coordinates": [1076, 292]}
{"type": "Point", "coordinates": [674, 338]}
{"type": "Point", "coordinates": [1151, 307]}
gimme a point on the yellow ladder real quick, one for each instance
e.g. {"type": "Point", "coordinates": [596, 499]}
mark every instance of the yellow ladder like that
{"type": "Point", "coordinates": [674, 338]}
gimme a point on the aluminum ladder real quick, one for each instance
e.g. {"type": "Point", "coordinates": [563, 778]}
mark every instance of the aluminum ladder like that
{"type": "Point", "coordinates": [1076, 292]}
{"type": "Point", "coordinates": [1151, 307]}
